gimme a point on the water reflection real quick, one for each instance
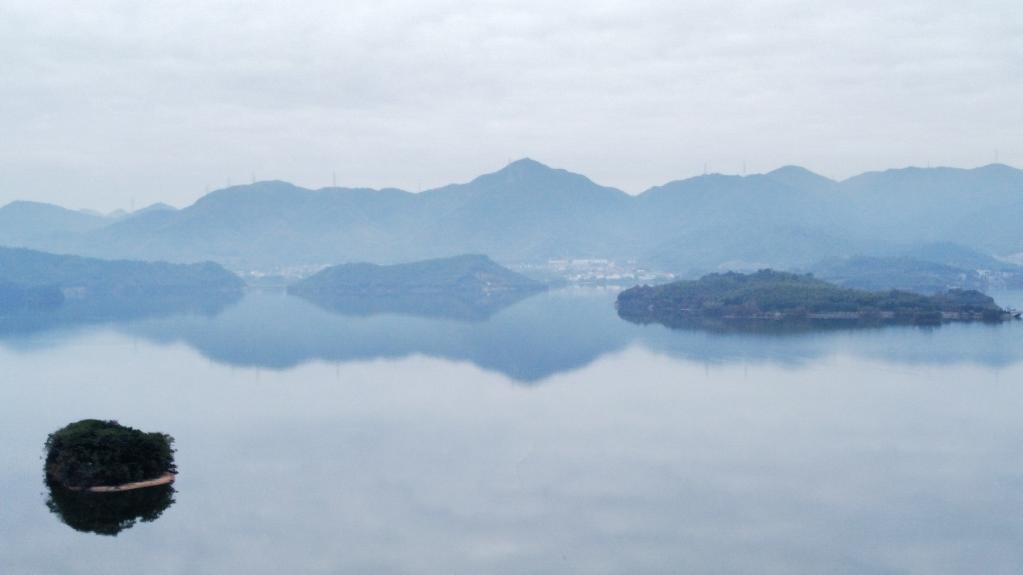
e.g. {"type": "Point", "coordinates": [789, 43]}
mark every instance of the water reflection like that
{"type": "Point", "coordinates": [993, 345]}
{"type": "Point", "coordinates": [80, 313]}
{"type": "Point", "coordinates": [108, 513]}
{"type": "Point", "coordinates": [534, 338]}
{"type": "Point", "coordinates": [527, 339]}
{"type": "Point", "coordinates": [550, 333]}
{"type": "Point", "coordinates": [471, 306]}
{"type": "Point", "coordinates": [635, 464]}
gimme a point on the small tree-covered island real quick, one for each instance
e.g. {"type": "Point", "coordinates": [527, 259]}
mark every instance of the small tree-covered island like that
{"type": "Point", "coordinates": [459, 274]}
{"type": "Point", "coordinates": [468, 287]}
{"type": "Point", "coordinates": [105, 456]}
{"type": "Point", "coordinates": [773, 295]}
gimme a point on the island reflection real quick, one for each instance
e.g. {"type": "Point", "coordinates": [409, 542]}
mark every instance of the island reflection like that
{"type": "Point", "coordinates": [116, 310]}
{"type": "Point", "coordinates": [108, 513]}
{"type": "Point", "coordinates": [529, 339]}
{"type": "Point", "coordinates": [471, 307]}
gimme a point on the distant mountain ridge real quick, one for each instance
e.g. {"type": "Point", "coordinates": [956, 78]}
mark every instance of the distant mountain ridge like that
{"type": "Point", "coordinates": [924, 268]}
{"type": "Point", "coordinates": [902, 273]}
{"type": "Point", "coordinates": [529, 212]}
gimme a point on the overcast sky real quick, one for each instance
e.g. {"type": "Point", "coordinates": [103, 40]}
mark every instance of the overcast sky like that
{"type": "Point", "coordinates": [103, 103]}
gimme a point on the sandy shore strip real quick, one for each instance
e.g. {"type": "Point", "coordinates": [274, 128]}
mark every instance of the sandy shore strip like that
{"type": "Point", "coordinates": [164, 479]}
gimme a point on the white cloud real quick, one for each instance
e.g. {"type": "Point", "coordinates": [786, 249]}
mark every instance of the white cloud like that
{"type": "Point", "coordinates": [102, 102]}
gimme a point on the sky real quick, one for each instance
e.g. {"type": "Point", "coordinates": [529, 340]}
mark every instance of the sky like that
{"type": "Point", "coordinates": [113, 104]}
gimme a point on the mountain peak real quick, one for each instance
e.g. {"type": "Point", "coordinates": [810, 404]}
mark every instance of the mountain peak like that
{"type": "Point", "coordinates": [528, 163]}
{"type": "Point", "coordinates": [157, 207]}
{"type": "Point", "coordinates": [792, 169]}
{"type": "Point", "coordinates": [801, 178]}
{"type": "Point", "coordinates": [526, 166]}
{"type": "Point", "coordinates": [998, 169]}
{"type": "Point", "coordinates": [262, 190]}
{"type": "Point", "coordinates": [29, 204]}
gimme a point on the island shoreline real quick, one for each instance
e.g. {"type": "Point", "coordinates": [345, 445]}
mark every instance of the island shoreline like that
{"type": "Point", "coordinates": [165, 479]}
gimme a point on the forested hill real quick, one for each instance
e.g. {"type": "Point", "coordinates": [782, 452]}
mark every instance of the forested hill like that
{"type": "Point", "coordinates": [770, 294]}
{"type": "Point", "coordinates": [467, 273]}
{"type": "Point", "coordinates": [82, 278]}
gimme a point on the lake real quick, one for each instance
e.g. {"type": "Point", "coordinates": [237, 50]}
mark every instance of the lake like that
{"type": "Point", "coordinates": [544, 435]}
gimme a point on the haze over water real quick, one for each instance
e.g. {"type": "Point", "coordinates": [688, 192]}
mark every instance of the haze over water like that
{"type": "Point", "coordinates": [548, 436]}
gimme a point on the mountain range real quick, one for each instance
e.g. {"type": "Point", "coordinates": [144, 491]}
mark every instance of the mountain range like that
{"type": "Point", "coordinates": [528, 212]}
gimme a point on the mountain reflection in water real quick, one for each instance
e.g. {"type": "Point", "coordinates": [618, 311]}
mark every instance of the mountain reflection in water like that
{"type": "Point", "coordinates": [527, 339]}
{"type": "Point", "coordinates": [75, 313]}
{"type": "Point", "coordinates": [466, 306]}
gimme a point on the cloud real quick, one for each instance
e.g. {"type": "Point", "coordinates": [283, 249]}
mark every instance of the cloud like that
{"type": "Point", "coordinates": [105, 101]}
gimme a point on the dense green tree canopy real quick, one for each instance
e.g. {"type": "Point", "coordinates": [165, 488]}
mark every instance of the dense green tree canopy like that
{"type": "Point", "coordinates": [92, 452]}
{"type": "Point", "coordinates": [790, 295]}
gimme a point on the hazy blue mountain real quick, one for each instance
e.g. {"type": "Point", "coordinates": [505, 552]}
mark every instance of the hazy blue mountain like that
{"type": "Point", "coordinates": [466, 273]}
{"type": "Point", "coordinates": [265, 223]}
{"type": "Point", "coordinates": [995, 228]}
{"type": "Point", "coordinates": [157, 207]}
{"type": "Point", "coordinates": [529, 212]}
{"type": "Point", "coordinates": [36, 224]}
{"type": "Point", "coordinates": [959, 256]}
{"type": "Point", "coordinates": [924, 268]}
{"type": "Point", "coordinates": [468, 287]}
{"type": "Point", "coordinates": [733, 222]}
{"type": "Point", "coordinates": [791, 216]}
{"type": "Point", "coordinates": [749, 248]}
{"type": "Point", "coordinates": [799, 178]}
{"type": "Point", "coordinates": [87, 278]}
{"type": "Point", "coordinates": [903, 273]}
{"type": "Point", "coordinates": [938, 205]}
{"type": "Point", "coordinates": [41, 291]}
{"type": "Point", "coordinates": [524, 211]}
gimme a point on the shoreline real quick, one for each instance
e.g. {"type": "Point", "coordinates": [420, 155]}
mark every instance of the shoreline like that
{"type": "Point", "coordinates": [165, 479]}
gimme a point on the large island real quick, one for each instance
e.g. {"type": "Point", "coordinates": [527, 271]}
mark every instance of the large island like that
{"type": "Point", "coordinates": [38, 286]}
{"type": "Point", "coordinates": [466, 273]}
{"type": "Point", "coordinates": [469, 287]}
{"type": "Point", "coordinates": [81, 277]}
{"type": "Point", "coordinates": [772, 295]}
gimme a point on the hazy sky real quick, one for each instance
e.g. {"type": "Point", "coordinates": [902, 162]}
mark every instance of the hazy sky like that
{"type": "Point", "coordinates": [107, 102]}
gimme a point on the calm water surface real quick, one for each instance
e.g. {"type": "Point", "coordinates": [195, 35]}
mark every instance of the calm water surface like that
{"type": "Point", "coordinates": [547, 436]}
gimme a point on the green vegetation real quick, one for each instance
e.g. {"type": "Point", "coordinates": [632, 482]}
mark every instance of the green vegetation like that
{"type": "Point", "coordinates": [769, 294]}
{"type": "Point", "coordinates": [91, 452]}
{"type": "Point", "coordinates": [459, 274]}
